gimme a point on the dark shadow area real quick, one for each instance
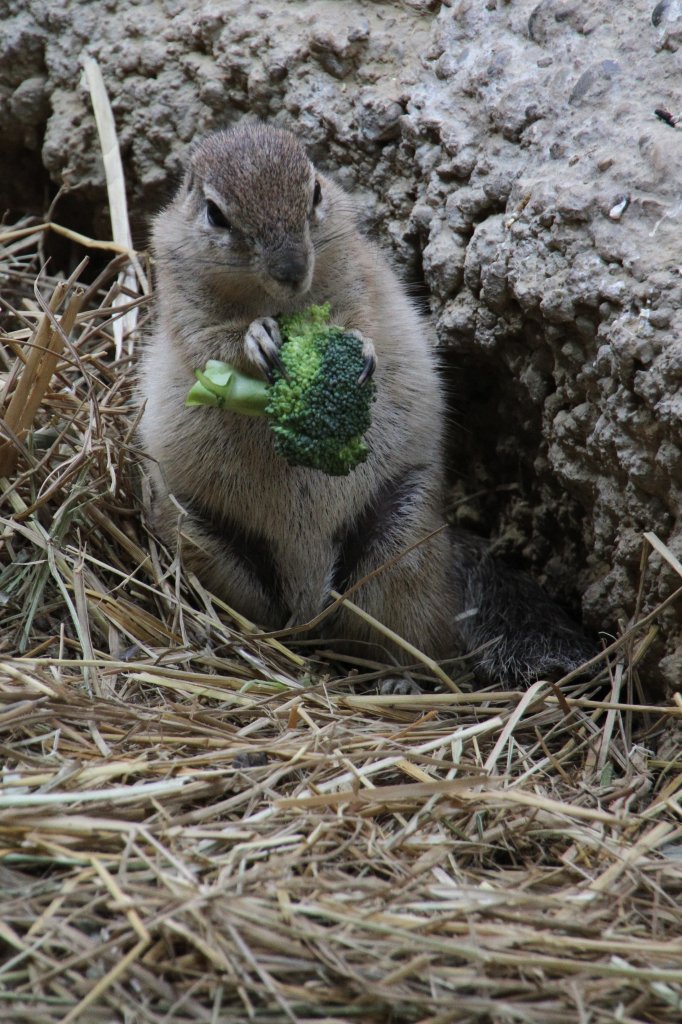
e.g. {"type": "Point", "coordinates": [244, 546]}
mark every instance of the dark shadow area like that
{"type": "Point", "coordinates": [26, 191]}
{"type": "Point", "coordinates": [25, 186]}
{"type": "Point", "coordinates": [495, 489]}
{"type": "Point", "coordinates": [64, 254]}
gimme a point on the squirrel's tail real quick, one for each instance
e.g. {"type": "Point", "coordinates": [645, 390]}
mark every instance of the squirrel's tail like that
{"type": "Point", "coordinates": [514, 632]}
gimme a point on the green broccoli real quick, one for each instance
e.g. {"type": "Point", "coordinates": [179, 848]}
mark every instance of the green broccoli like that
{"type": "Point", "coordinates": [318, 412]}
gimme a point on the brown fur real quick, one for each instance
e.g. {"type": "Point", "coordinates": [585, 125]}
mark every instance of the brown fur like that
{"type": "Point", "coordinates": [271, 539]}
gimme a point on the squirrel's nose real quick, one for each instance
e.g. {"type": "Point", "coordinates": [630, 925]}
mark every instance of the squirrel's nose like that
{"type": "Point", "coordinates": [290, 271]}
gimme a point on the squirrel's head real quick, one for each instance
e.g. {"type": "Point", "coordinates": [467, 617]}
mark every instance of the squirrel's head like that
{"type": "Point", "coordinates": [254, 201]}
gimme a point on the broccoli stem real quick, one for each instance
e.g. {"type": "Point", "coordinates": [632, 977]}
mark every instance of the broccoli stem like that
{"type": "Point", "coordinates": [222, 385]}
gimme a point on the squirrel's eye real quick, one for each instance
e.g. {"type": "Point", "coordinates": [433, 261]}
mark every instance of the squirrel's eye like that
{"type": "Point", "coordinates": [317, 194]}
{"type": "Point", "coordinates": [216, 217]}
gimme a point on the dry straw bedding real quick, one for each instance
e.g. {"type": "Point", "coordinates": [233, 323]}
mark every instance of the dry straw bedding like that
{"type": "Point", "coordinates": [458, 856]}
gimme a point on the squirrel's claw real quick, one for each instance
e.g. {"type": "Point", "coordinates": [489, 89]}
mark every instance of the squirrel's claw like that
{"type": "Point", "coordinates": [368, 354]}
{"type": "Point", "coordinates": [399, 686]}
{"type": "Point", "coordinates": [281, 368]}
{"type": "Point", "coordinates": [369, 368]}
{"type": "Point", "coordinates": [261, 343]}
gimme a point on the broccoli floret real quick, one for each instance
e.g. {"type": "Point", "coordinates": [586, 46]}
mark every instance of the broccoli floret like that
{"type": "Point", "coordinates": [317, 410]}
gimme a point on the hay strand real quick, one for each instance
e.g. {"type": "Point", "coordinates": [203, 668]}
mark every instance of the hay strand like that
{"type": "Point", "coordinates": [116, 192]}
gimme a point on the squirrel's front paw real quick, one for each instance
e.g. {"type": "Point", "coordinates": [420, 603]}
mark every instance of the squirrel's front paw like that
{"type": "Point", "coordinates": [261, 344]}
{"type": "Point", "coordinates": [368, 354]}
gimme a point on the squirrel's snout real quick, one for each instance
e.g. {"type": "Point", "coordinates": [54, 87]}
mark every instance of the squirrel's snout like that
{"type": "Point", "coordinates": [293, 271]}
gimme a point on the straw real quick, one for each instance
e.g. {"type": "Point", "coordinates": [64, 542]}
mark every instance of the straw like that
{"type": "Point", "coordinates": [202, 822]}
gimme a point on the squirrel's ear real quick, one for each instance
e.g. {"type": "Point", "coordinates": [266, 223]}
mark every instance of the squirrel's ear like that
{"type": "Point", "coordinates": [188, 178]}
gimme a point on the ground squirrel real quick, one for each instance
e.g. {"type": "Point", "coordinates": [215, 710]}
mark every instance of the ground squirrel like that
{"type": "Point", "coordinates": [253, 232]}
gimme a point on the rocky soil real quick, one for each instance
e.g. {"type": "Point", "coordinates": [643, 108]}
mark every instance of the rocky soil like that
{"type": "Point", "coordinates": [510, 155]}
